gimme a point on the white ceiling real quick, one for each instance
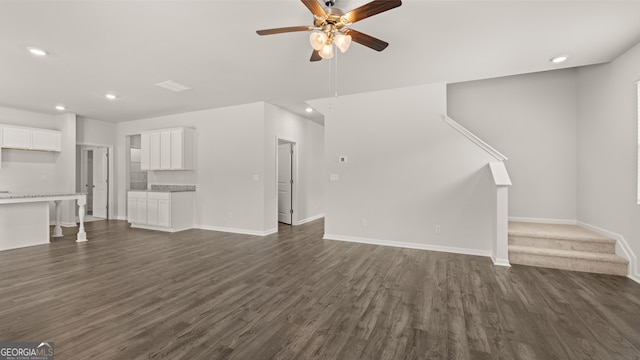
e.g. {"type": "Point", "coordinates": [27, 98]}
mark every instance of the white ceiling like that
{"type": "Point", "coordinates": [126, 47]}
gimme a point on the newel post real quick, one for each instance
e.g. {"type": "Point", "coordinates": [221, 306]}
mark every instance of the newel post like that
{"type": "Point", "coordinates": [502, 182]}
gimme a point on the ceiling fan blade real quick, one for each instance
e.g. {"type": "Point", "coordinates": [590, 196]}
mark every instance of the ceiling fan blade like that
{"type": "Point", "coordinates": [373, 8]}
{"type": "Point", "coordinates": [284, 30]}
{"type": "Point", "coordinates": [315, 8]}
{"type": "Point", "coordinates": [315, 56]}
{"type": "Point", "coordinates": [367, 40]}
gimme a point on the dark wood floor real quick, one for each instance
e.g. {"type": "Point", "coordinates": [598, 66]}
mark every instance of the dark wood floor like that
{"type": "Point", "coordinates": [137, 294]}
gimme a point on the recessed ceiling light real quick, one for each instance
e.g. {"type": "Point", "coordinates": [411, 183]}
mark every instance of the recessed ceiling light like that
{"type": "Point", "coordinates": [110, 96]}
{"type": "Point", "coordinates": [308, 109]}
{"type": "Point", "coordinates": [559, 59]}
{"type": "Point", "coordinates": [38, 52]}
{"type": "Point", "coordinates": [60, 107]}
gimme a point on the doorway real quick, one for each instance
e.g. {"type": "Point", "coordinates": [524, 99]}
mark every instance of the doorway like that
{"type": "Point", "coordinates": [287, 182]}
{"type": "Point", "coordinates": [94, 180]}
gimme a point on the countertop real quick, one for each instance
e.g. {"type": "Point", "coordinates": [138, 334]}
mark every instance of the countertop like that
{"type": "Point", "coordinates": [12, 195]}
{"type": "Point", "coordinates": [15, 198]}
{"type": "Point", "coordinates": [169, 188]}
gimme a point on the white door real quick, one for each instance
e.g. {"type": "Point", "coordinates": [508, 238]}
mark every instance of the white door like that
{"type": "Point", "coordinates": [285, 182]}
{"type": "Point", "coordinates": [100, 182]}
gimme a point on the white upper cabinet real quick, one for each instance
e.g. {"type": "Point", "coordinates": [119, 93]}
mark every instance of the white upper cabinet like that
{"type": "Point", "coordinates": [46, 140]}
{"type": "Point", "coordinates": [154, 151]}
{"type": "Point", "coordinates": [15, 137]}
{"type": "Point", "coordinates": [145, 156]}
{"type": "Point", "coordinates": [168, 149]}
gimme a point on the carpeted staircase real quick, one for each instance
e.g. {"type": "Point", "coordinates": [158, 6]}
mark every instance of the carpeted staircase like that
{"type": "Point", "coordinates": [567, 247]}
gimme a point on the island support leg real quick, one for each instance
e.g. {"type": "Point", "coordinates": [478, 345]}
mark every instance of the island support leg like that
{"type": "Point", "coordinates": [82, 235]}
{"type": "Point", "coordinates": [57, 229]}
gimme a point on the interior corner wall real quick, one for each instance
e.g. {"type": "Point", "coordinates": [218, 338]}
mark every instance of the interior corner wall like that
{"type": "Point", "coordinates": [309, 139]}
{"type": "Point", "coordinates": [608, 147]}
{"type": "Point", "coordinates": [229, 153]}
{"type": "Point", "coordinates": [65, 168]}
{"type": "Point", "coordinates": [406, 172]}
{"type": "Point", "coordinates": [532, 119]}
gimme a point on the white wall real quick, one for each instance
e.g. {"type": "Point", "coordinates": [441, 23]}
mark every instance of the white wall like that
{"type": "Point", "coordinates": [95, 132]}
{"type": "Point", "coordinates": [229, 152]}
{"type": "Point", "coordinates": [531, 119]}
{"type": "Point", "coordinates": [309, 139]}
{"type": "Point", "coordinates": [407, 171]}
{"type": "Point", "coordinates": [608, 147]}
{"type": "Point", "coordinates": [41, 171]}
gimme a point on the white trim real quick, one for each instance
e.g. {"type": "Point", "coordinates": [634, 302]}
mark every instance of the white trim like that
{"type": "Point", "coordinates": [296, 180]}
{"type": "Point", "coordinates": [500, 262]}
{"type": "Point", "coordinates": [310, 219]}
{"type": "Point", "coordinates": [236, 230]}
{"type": "Point", "coordinates": [500, 174]}
{"type": "Point", "coordinates": [120, 218]}
{"type": "Point", "coordinates": [622, 249]}
{"type": "Point", "coordinates": [158, 228]}
{"type": "Point", "coordinates": [476, 140]}
{"type": "Point", "coordinates": [64, 224]}
{"type": "Point", "coordinates": [544, 221]}
{"type": "Point", "coordinates": [111, 197]}
{"type": "Point", "coordinates": [408, 245]}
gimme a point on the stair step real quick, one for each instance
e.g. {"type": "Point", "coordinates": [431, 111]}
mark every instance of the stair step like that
{"type": "Point", "coordinates": [568, 260]}
{"type": "Point", "coordinates": [604, 246]}
{"type": "Point", "coordinates": [555, 231]}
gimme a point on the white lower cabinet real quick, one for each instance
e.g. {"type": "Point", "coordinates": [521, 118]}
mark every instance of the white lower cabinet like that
{"type": "Point", "coordinates": [165, 211]}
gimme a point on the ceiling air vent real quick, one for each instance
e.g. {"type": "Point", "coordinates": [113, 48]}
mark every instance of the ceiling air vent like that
{"type": "Point", "coordinates": [173, 86]}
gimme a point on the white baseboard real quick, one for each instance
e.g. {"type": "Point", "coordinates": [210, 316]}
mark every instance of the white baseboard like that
{"type": "Point", "coordinates": [310, 219]}
{"type": "Point", "coordinates": [409, 245]}
{"type": "Point", "coordinates": [119, 218]}
{"type": "Point", "coordinates": [544, 221]}
{"type": "Point", "coordinates": [500, 262]}
{"type": "Point", "coordinates": [158, 228]}
{"type": "Point", "coordinates": [237, 231]}
{"type": "Point", "coordinates": [622, 249]}
{"type": "Point", "coordinates": [63, 224]}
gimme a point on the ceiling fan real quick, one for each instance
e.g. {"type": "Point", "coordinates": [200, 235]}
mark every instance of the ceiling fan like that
{"type": "Point", "coordinates": [330, 27]}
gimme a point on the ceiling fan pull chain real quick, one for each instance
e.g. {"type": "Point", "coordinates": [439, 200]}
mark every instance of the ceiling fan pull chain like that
{"type": "Point", "coordinates": [334, 74]}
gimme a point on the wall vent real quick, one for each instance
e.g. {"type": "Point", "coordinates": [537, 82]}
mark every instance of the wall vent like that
{"type": "Point", "coordinates": [173, 86]}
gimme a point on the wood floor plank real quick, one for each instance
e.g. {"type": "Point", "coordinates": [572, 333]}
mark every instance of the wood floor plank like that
{"type": "Point", "coordinates": [196, 294]}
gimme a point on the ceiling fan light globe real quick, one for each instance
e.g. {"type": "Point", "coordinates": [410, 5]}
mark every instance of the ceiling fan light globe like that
{"type": "Point", "coordinates": [342, 41]}
{"type": "Point", "coordinates": [317, 40]}
{"type": "Point", "coordinates": [326, 52]}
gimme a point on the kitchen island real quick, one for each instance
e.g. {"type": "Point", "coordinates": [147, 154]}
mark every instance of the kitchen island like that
{"type": "Point", "coordinates": [24, 218]}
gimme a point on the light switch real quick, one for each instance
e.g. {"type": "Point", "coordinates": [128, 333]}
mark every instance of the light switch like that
{"type": "Point", "coordinates": [334, 177]}
{"type": "Point", "coordinates": [256, 177]}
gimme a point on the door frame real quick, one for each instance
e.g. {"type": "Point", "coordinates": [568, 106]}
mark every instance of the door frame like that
{"type": "Point", "coordinates": [110, 172]}
{"type": "Point", "coordinates": [294, 175]}
{"type": "Point", "coordinates": [84, 172]}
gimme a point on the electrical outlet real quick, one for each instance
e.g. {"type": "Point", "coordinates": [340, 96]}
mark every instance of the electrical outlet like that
{"type": "Point", "coordinates": [363, 222]}
{"type": "Point", "coordinates": [438, 229]}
